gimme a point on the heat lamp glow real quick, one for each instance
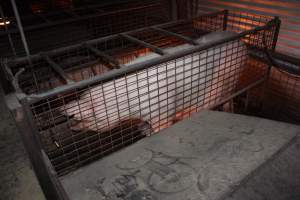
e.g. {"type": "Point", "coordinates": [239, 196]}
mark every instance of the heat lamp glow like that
{"type": "Point", "coordinates": [4, 22]}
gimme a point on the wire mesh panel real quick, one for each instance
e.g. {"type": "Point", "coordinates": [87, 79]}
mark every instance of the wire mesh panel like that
{"type": "Point", "coordinates": [165, 74]}
{"type": "Point", "coordinates": [88, 123]}
{"type": "Point", "coordinates": [278, 98]}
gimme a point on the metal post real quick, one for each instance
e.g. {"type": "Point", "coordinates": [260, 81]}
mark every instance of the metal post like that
{"type": "Point", "coordinates": [43, 169]}
{"type": "Point", "coordinates": [225, 20]}
{"type": "Point", "coordinates": [15, 9]}
{"type": "Point", "coordinates": [276, 34]}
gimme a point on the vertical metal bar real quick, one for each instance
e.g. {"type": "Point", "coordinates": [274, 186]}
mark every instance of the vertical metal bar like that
{"type": "Point", "coordinates": [15, 9]}
{"type": "Point", "coordinates": [276, 34]}
{"type": "Point", "coordinates": [8, 34]}
{"type": "Point", "coordinates": [225, 20]}
{"type": "Point", "coordinates": [43, 169]}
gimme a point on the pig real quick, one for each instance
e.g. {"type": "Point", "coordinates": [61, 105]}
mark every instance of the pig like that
{"type": "Point", "coordinates": [156, 94]}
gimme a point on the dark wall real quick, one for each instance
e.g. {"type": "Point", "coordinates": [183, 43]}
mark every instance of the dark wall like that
{"type": "Point", "coordinates": [23, 6]}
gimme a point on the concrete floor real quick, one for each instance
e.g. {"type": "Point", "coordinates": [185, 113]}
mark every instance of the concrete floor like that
{"type": "Point", "coordinates": [17, 178]}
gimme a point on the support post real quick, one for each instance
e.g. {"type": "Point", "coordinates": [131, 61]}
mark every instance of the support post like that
{"type": "Point", "coordinates": [276, 34]}
{"type": "Point", "coordinates": [20, 27]}
{"type": "Point", "coordinates": [225, 20]}
{"type": "Point", "coordinates": [43, 169]}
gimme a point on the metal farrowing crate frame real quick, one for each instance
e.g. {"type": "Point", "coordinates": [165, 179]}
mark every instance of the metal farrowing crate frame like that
{"type": "Point", "coordinates": [208, 75]}
{"type": "Point", "coordinates": [67, 27]}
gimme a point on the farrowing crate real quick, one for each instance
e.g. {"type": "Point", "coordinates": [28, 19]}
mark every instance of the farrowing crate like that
{"type": "Point", "coordinates": [77, 104]}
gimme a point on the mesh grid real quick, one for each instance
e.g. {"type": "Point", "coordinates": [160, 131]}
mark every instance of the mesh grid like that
{"type": "Point", "coordinates": [91, 121]}
{"type": "Point", "coordinates": [79, 126]}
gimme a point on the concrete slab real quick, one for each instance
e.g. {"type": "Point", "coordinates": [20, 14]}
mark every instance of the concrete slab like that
{"type": "Point", "coordinates": [205, 157]}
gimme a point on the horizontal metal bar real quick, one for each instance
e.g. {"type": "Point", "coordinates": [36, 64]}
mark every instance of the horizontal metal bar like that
{"type": "Point", "coordinates": [46, 25]}
{"type": "Point", "coordinates": [238, 93]}
{"type": "Point", "coordinates": [181, 37]}
{"type": "Point", "coordinates": [103, 56]}
{"type": "Point", "coordinates": [111, 75]}
{"type": "Point", "coordinates": [142, 43]}
{"type": "Point", "coordinates": [57, 69]}
{"type": "Point", "coordinates": [282, 62]}
{"type": "Point", "coordinates": [103, 39]}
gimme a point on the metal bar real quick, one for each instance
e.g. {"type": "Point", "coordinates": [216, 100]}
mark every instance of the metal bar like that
{"type": "Point", "coordinates": [181, 37]}
{"type": "Point", "coordinates": [57, 69]}
{"type": "Point", "coordinates": [108, 76]}
{"type": "Point", "coordinates": [15, 9]}
{"type": "Point", "coordinates": [104, 56]}
{"type": "Point", "coordinates": [249, 87]}
{"type": "Point", "coordinates": [225, 20]}
{"type": "Point", "coordinates": [142, 43]}
{"type": "Point", "coordinates": [33, 27]}
{"type": "Point", "coordinates": [103, 39]}
{"type": "Point", "coordinates": [275, 39]}
{"type": "Point", "coordinates": [24, 121]}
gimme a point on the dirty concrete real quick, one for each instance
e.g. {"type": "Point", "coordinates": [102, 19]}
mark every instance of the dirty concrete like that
{"type": "Point", "coordinates": [208, 156]}
{"type": "Point", "coordinates": [18, 181]}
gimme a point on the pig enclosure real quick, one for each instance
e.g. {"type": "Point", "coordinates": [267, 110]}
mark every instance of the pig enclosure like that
{"type": "Point", "coordinates": [139, 82]}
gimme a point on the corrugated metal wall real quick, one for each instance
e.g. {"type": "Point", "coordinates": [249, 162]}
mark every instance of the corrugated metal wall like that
{"type": "Point", "coordinates": [287, 10]}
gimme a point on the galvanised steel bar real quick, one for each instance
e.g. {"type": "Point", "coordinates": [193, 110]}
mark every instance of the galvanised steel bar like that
{"type": "Point", "coordinates": [103, 55]}
{"type": "Point", "coordinates": [181, 37]}
{"type": "Point", "coordinates": [24, 41]}
{"type": "Point", "coordinates": [103, 39]}
{"type": "Point", "coordinates": [110, 75]}
{"type": "Point", "coordinates": [142, 43]}
{"type": "Point", "coordinates": [69, 20]}
{"type": "Point", "coordinates": [44, 170]}
{"type": "Point", "coordinates": [57, 69]}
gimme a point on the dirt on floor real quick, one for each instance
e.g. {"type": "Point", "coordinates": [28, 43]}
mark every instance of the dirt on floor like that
{"type": "Point", "coordinates": [17, 178]}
